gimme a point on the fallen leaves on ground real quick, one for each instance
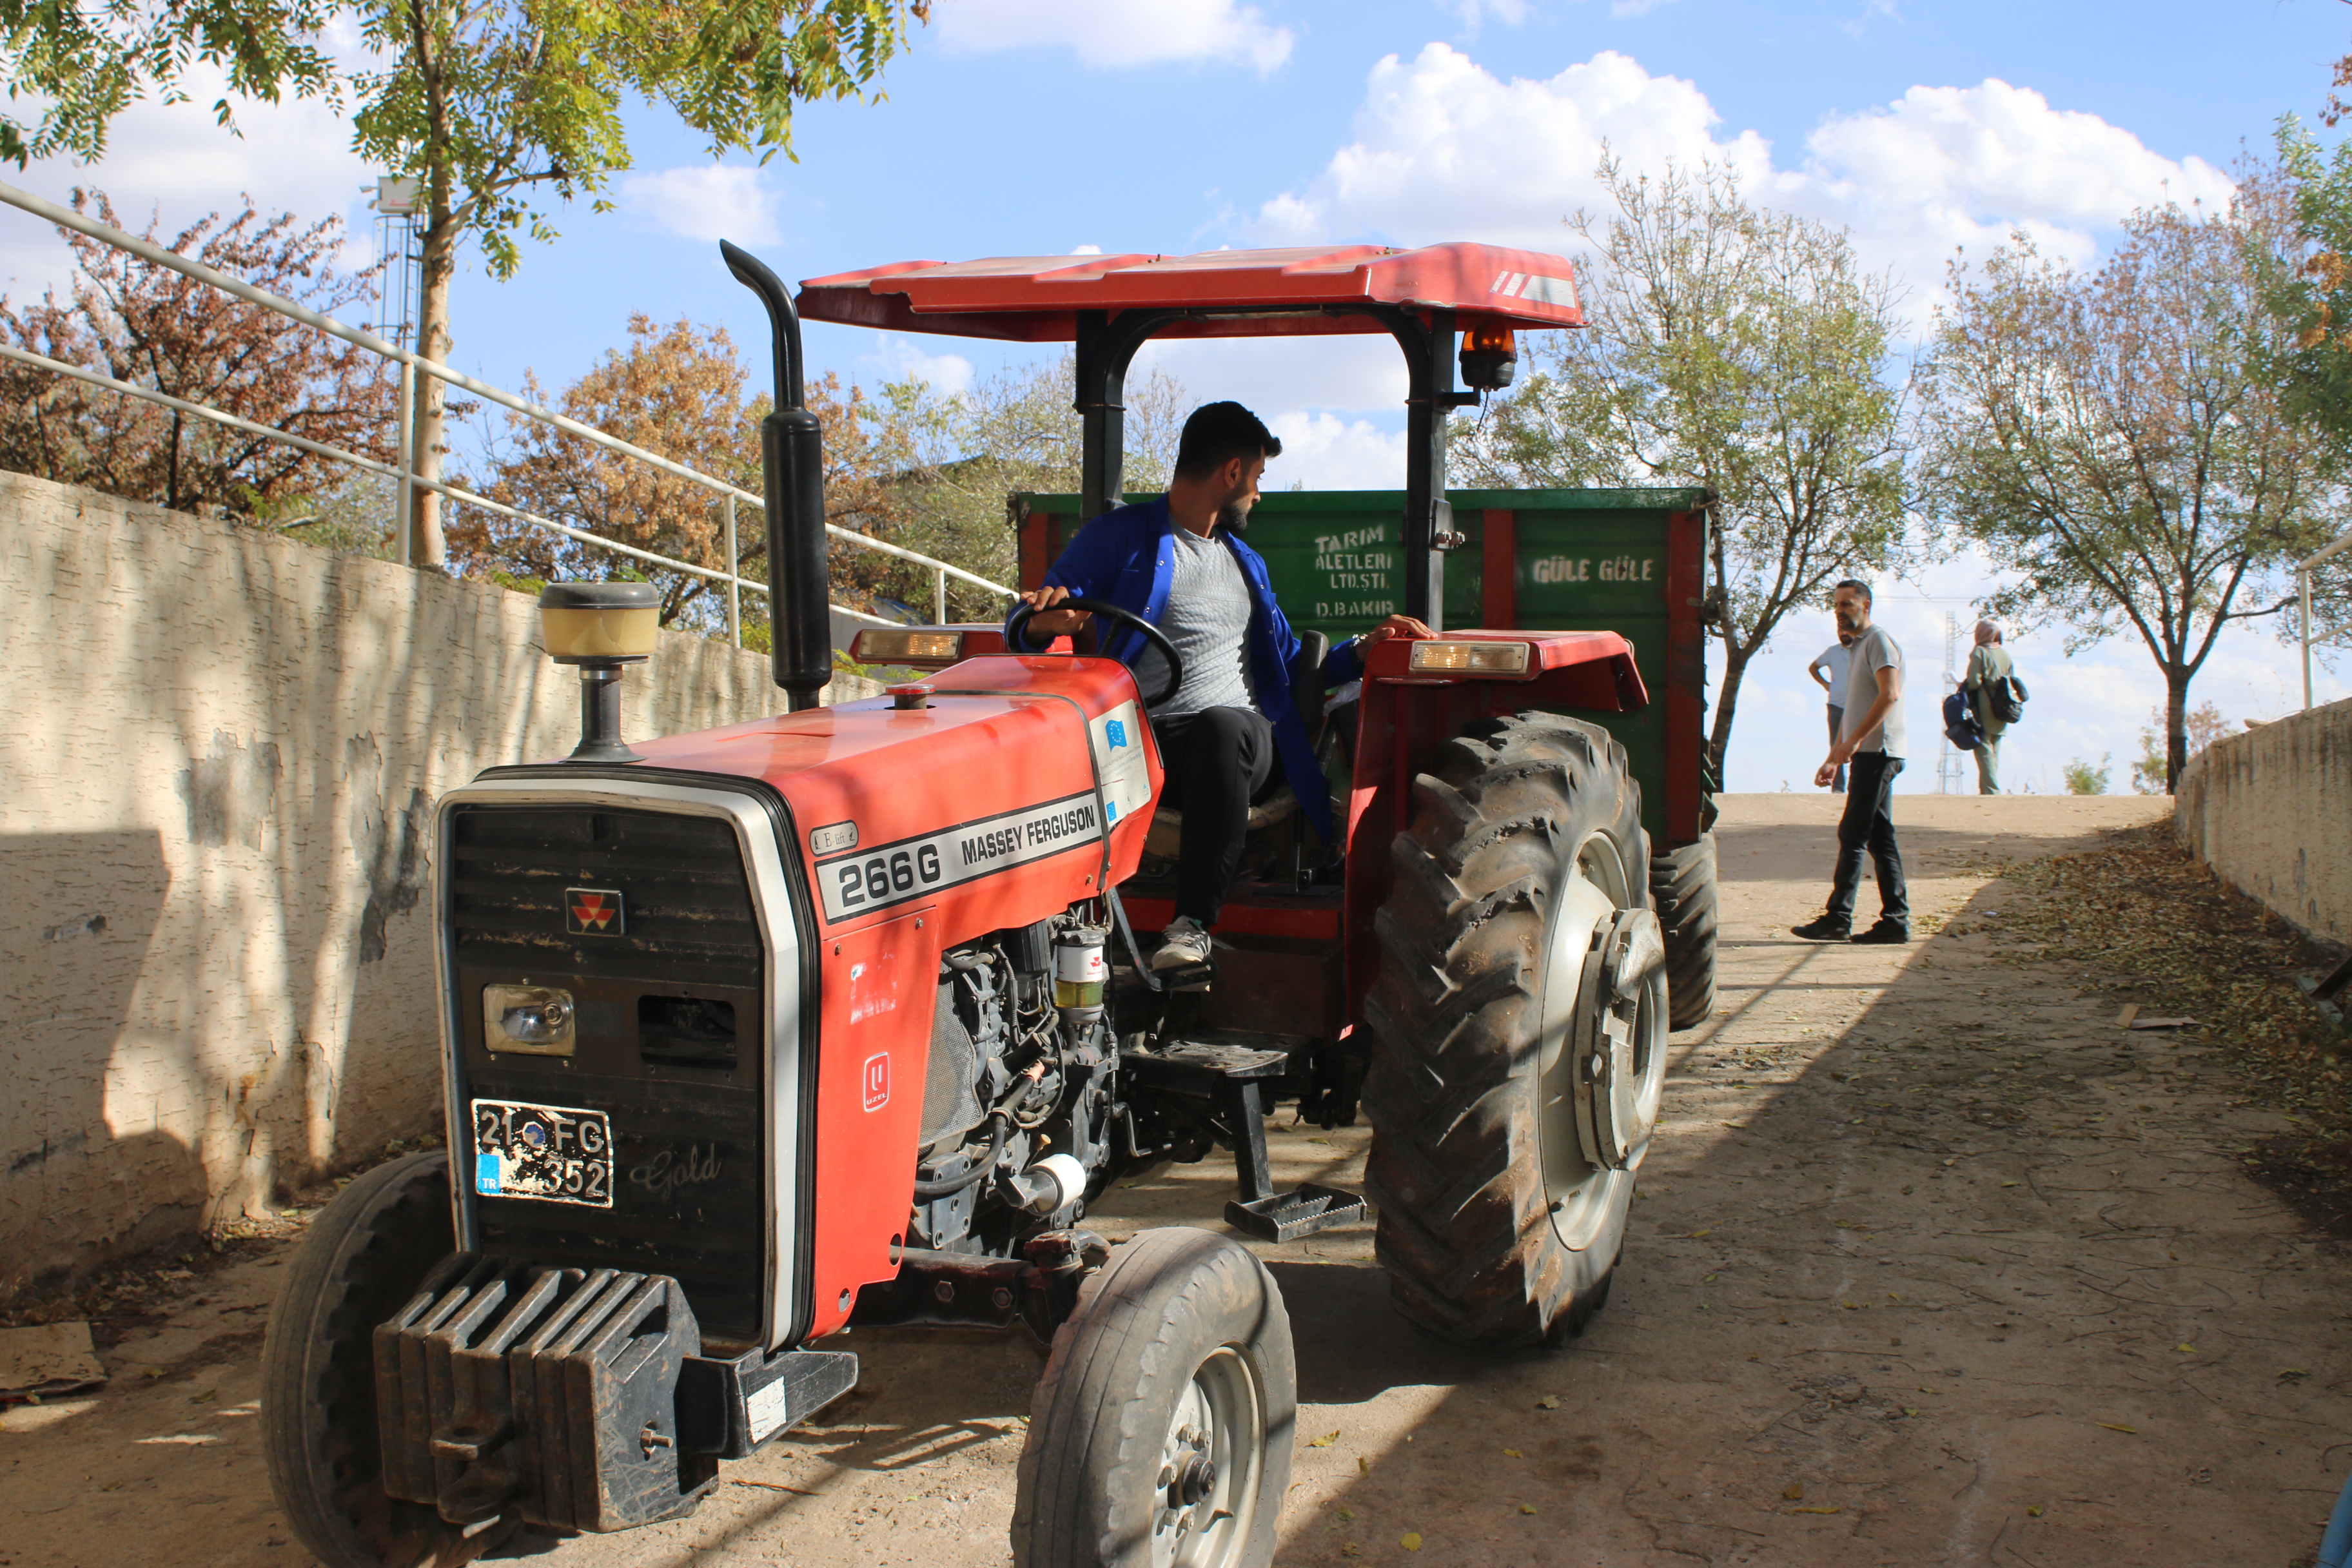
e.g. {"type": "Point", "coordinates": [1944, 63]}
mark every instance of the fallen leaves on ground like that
{"type": "Point", "coordinates": [2181, 940]}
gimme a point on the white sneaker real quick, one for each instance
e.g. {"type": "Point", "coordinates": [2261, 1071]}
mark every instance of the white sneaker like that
{"type": "Point", "coordinates": [1183, 943]}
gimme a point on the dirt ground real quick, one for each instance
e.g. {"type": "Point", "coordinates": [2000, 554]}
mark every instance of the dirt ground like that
{"type": "Point", "coordinates": [1932, 1264]}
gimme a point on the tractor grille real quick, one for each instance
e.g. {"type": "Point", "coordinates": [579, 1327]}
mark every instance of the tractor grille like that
{"type": "Point", "coordinates": [671, 1037]}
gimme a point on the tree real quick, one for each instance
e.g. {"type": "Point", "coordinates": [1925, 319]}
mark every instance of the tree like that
{"type": "Point", "coordinates": [1015, 431]}
{"type": "Point", "coordinates": [2307, 283]}
{"type": "Point", "coordinates": [2205, 725]}
{"type": "Point", "coordinates": [139, 323]}
{"type": "Point", "coordinates": [2081, 778]}
{"type": "Point", "coordinates": [677, 390]}
{"type": "Point", "coordinates": [2109, 436]}
{"type": "Point", "coordinates": [488, 103]}
{"type": "Point", "coordinates": [1733, 347]}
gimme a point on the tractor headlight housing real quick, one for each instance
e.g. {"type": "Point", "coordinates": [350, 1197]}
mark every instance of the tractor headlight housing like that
{"type": "Point", "coordinates": [907, 647]}
{"type": "Point", "coordinates": [1444, 658]}
{"type": "Point", "coordinates": [535, 1020]}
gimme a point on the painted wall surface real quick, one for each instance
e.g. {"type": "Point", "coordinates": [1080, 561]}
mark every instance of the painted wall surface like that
{"type": "Point", "coordinates": [2271, 811]}
{"type": "Point", "coordinates": [219, 751]}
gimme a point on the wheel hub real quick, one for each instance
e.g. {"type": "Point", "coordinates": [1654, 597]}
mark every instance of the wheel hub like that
{"type": "Point", "coordinates": [1209, 1466]}
{"type": "Point", "coordinates": [1621, 1043]}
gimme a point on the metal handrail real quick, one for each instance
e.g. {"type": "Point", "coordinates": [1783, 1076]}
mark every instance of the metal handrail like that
{"type": "Point", "coordinates": [2303, 591]}
{"type": "Point", "coordinates": [410, 362]}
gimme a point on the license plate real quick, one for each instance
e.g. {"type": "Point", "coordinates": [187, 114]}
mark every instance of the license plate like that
{"type": "Point", "coordinates": [552, 1152]}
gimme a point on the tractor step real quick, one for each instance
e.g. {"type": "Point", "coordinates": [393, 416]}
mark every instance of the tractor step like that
{"type": "Point", "coordinates": [1202, 1066]}
{"type": "Point", "coordinates": [1286, 1216]}
{"type": "Point", "coordinates": [1228, 1074]}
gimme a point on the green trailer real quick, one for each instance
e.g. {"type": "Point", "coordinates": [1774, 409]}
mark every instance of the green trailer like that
{"type": "Point", "coordinates": [1629, 561]}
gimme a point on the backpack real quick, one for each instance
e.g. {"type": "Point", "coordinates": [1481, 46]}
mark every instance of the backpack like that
{"type": "Point", "coordinates": [2005, 698]}
{"type": "Point", "coordinates": [1960, 724]}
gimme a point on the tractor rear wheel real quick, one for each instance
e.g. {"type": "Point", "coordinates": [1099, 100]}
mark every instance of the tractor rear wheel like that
{"type": "Point", "coordinates": [366, 1254]}
{"type": "Point", "coordinates": [1520, 1022]}
{"type": "Point", "coordinates": [1682, 889]}
{"type": "Point", "coordinates": [1161, 1433]}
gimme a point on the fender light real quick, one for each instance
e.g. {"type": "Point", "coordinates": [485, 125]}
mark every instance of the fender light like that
{"type": "Point", "coordinates": [1469, 658]}
{"type": "Point", "coordinates": [907, 647]}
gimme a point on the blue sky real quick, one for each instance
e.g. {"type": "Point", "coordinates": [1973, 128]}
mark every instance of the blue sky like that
{"type": "Point", "coordinates": [1030, 126]}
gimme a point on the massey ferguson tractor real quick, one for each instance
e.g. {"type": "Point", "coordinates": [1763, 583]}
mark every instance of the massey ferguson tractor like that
{"type": "Point", "coordinates": [840, 1018]}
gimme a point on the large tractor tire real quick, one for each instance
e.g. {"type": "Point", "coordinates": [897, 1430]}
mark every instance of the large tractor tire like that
{"type": "Point", "coordinates": [1682, 890]}
{"type": "Point", "coordinates": [365, 1256]}
{"type": "Point", "coordinates": [1162, 1432]}
{"type": "Point", "coordinates": [1520, 1017]}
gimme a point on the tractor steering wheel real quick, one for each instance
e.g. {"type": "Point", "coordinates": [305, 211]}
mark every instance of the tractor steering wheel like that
{"type": "Point", "coordinates": [1018, 624]}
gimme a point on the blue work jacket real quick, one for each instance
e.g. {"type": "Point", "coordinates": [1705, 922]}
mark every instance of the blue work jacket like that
{"type": "Point", "coordinates": [1127, 558]}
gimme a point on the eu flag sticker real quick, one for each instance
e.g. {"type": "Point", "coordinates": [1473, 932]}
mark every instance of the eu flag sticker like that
{"type": "Point", "coordinates": [1116, 732]}
{"type": "Point", "coordinates": [486, 1174]}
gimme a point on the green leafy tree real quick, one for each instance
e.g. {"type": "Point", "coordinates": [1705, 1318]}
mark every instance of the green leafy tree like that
{"type": "Point", "coordinates": [2081, 778]}
{"type": "Point", "coordinates": [2308, 285]}
{"type": "Point", "coordinates": [1734, 347]}
{"type": "Point", "coordinates": [2110, 437]}
{"type": "Point", "coordinates": [499, 107]}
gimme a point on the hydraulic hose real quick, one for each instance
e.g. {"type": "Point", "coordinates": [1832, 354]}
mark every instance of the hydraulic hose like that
{"type": "Point", "coordinates": [948, 1186]}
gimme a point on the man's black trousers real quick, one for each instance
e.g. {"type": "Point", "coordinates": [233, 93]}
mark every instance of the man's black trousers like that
{"type": "Point", "coordinates": [1868, 828]}
{"type": "Point", "coordinates": [1216, 762]}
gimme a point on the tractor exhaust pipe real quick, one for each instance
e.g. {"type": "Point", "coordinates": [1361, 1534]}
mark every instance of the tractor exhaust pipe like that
{"type": "Point", "coordinates": [791, 466]}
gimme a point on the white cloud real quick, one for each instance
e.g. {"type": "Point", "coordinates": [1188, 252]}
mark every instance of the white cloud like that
{"type": "Point", "coordinates": [1272, 373]}
{"type": "Point", "coordinates": [172, 162]}
{"type": "Point", "coordinates": [705, 201]}
{"type": "Point", "coordinates": [1444, 149]}
{"type": "Point", "coordinates": [1119, 33]}
{"type": "Point", "coordinates": [1085, 250]}
{"type": "Point", "coordinates": [1475, 13]}
{"type": "Point", "coordinates": [899, 359]}
{"type": "Point", "coordinates": [1322, 452]}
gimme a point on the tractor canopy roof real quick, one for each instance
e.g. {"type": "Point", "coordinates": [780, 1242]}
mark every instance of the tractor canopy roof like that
{"type": "Point", "coordinates": [1300, 291]}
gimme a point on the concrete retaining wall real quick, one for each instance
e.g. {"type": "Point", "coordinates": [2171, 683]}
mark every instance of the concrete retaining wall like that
{"type": "Point", "coordinates": [218, 756]}
{"type": "Point", "coordinates": [2271, 811]}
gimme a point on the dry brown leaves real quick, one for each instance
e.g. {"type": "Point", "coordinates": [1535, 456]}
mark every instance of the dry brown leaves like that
{"type": "Point", "coordinates": [2179, 940]}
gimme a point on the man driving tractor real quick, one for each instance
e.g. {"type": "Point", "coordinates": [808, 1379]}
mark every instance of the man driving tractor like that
{"type": "Point", "coordinates": [1180, 562]}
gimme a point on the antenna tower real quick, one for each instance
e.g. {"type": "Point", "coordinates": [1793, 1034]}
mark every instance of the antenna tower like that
{"type": "Point", "coordinates": [1949, 768]}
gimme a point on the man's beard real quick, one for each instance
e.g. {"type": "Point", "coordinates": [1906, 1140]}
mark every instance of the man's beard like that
{"type": "Point", "coordinates": [1234, 517]}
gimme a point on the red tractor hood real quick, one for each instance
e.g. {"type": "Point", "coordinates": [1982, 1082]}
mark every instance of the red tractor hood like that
{"type": "Point", "coordinates": [983, 804]}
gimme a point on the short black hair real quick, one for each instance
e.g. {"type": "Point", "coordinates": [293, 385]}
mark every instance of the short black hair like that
{"type": "Point", "coordinates": [1216, 434]}
{"type": "Point", "coordinates": [1856, 583]}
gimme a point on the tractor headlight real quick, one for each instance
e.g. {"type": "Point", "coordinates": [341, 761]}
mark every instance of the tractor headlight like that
{"type": "Point", "coordinates": [907, 647]}
{"type": "Point", "coordinates": [533, 1019]}
{"type": "Point", "coordinates": [1469, 658]}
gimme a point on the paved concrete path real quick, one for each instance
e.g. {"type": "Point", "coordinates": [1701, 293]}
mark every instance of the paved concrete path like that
{"type": "Point", "coordinates": [1931, 1265]}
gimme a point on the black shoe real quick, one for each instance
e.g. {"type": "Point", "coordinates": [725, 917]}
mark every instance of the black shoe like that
{"type": "Point", "coordinates": [1824, 928]}
{"type": "Point", "coordinates": [1886, 931]}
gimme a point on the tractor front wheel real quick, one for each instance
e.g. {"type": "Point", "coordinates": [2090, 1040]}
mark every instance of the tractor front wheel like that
{"type": "Point", "coordinates": [365, 1256]}
{"type": "Point", "coordinates": [1520, 1028]}
{"type": "Point", "coordinates": [1161, 1433]}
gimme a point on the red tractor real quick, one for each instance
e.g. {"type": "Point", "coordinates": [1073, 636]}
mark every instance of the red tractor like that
{"type": "Point", "coordinates": [838, 1018]}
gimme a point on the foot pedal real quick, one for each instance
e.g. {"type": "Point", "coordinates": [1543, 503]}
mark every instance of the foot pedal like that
{"type": "Point", "coordinates": [1186, 976]}
{"type": "Point", "coordinates": [1286, 1216]}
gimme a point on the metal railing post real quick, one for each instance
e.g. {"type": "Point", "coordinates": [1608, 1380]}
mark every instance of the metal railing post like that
{"type": "Point", "coordinates": [734, 588]}
{"type": "Point", "coordinates": [2302, 587]}
{"type": "Point", "coordinates": [939, 596]}
{"type": "Point", "coordinates": [407, 457]}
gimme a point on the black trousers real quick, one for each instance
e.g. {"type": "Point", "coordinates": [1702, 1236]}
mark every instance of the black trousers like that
{"type": "Point", "coordinates": [1837, 723]}
{"type": "Point", "coordinates": [1216, 762]}
{"type": "Point", "coordinates": [1868, 828]}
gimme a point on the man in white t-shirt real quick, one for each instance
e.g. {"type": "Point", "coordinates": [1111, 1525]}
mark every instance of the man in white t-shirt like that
{"type": "Point", "coordinates": [1827, 670]}
{"type": "Point", "coordinates": [1871, 745]}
